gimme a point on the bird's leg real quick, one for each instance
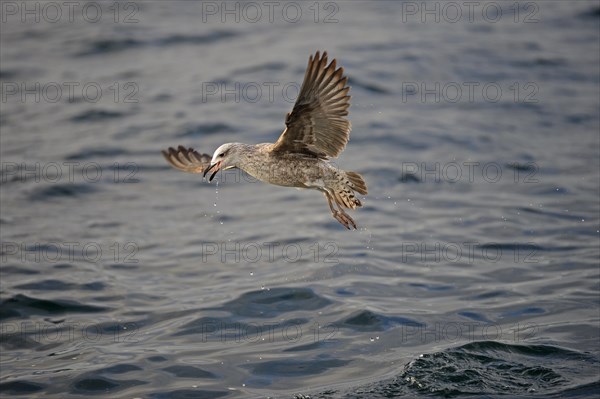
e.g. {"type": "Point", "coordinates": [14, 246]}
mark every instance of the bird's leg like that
{"type": "Point", "coordinates": [339, 215]}
{"type": "Point", "coordinates": [345, 219]}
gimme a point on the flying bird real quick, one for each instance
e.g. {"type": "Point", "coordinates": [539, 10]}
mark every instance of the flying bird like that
{"type": "Point", "coordinates": [316, 130]}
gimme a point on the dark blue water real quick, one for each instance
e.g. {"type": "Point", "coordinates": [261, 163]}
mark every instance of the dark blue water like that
{"type": "Point", "coordinates": [475, 269]}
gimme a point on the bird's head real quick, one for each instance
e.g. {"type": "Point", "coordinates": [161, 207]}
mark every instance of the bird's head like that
{"type": "Point", "coordinates": [225, 157]}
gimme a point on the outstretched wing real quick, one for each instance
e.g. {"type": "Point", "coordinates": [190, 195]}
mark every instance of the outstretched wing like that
{"type": "Point", "coordinates": [187, 159]}
{"type": "Point", "coordinates": [317, 125]}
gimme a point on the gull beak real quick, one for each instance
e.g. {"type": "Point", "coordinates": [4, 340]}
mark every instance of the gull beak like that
{"type": "Point", "coordinates": [216, 167]}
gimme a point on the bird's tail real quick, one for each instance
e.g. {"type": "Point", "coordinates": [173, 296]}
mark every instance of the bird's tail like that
{"type": "Point", "coordinates": [357, 183]}
{"type": "Point", "coordinates": [346, 196]}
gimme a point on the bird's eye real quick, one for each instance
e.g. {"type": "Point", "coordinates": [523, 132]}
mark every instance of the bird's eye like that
{"type": "Point", "coordinates": [222, 154]}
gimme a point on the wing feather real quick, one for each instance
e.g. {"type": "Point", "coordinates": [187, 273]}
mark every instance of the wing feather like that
{"type": "Point", "coordinates": [317, 125]}
{"type": "Point", "coordinates": [187, 159]}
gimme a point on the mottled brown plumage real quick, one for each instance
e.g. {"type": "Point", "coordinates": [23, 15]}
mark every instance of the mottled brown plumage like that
{"type": "Point", "coordinates": [187, 159]}
{"type": "Point", "coordinates": [317, 125]}
{"type": "Point", "coordinates": [316, 130]}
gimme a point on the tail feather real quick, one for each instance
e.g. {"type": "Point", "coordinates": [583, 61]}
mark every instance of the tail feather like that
{"type": "Point", "coordinates": [341, 198]}
{"type": "Point", "coordinates": [344, 195]}
{"type": "Point", "coordinates": [357, 183]}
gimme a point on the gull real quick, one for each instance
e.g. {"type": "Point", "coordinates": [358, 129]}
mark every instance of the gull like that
{"type": "Point", "coordinates": [316, 131]}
